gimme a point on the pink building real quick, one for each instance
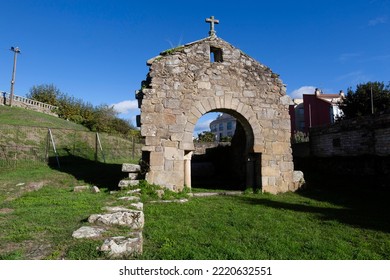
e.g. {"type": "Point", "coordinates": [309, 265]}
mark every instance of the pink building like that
{"type": "Point", "coordinates": [315, 110]}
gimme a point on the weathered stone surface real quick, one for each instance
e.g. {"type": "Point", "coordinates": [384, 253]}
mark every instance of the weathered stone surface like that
{"type": "Point", "coordinates": [129, 167]}
{"type": "Point", "coordinates": [130, 198]}
{"type": "Point", "coordinates": [136, 191]}
{"type": "Point", "coordinates": [127, 183]}
{"type": "Point", "coordinates": [114, 209]}
{"type": "Point", "coordinates": [298, 179]}
{"type": "Point", "coordinates": [133, 219]}
{"type": "Point", "coordinates": [186, 84]}
{"type": "Point", "coordinates": [95, 189]}
{"type": "Point", "coordinates": [181, 200]}
{"type": "Point", "coordinates": [81, 188]}
{"type": "Point", "coordinates": [138, 206]}
{"type": "Point", "coordinates": [133, 176]}
{"type": "Point", "coordinates": [160, 193]}
{"type": "Point", "coordinates": [121, 246]}
{"type": "Point", "coordinates": [88, 232]}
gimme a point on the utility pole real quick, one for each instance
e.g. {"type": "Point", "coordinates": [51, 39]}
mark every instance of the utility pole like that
{"type": "Point", "coordinates": [16, 52]}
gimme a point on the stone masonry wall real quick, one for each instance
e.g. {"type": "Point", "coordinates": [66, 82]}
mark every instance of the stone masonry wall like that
{"type": "Point", "coordinates": [364, 136]}
{"type": "Point", "coordinates": [185, 83]}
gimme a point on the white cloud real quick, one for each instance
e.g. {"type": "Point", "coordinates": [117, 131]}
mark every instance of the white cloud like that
{"type": "Point", "coordinates": [125, 107]}
{"type": "Point", "coordinates": [203, 126]}
{"type": "Point", "coordinates": [377, 20]}
{"type": "Point", "coordinates": [298, 93]}
{"type": "Point", "coordinates": [355, 77]}
{"type": "Point", "coordinates": [344, 57]}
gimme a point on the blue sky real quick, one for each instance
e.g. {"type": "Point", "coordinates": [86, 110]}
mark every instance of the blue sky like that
{"type": "Point", "coordinates": [97, 50]}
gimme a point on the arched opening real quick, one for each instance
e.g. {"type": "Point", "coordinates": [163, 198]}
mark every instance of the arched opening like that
{"type": "Point", "coordinates": [223, 157]}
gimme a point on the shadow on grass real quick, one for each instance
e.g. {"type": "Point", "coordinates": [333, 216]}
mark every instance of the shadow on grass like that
{"type": "Point", "coordinates": [102, 175]}
{"type": "Point", "coordinates": [356, 201]}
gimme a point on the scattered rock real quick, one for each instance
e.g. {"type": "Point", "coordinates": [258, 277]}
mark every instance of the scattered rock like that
{"type": "Point", "coordinates": [182, 200]}
{"type": "Point", "coordinates": [20, 184]}
{"type": "Point", "coordinates": [120, 246]}
{"type": "Point", "coordinates": [6, 210]}
{"type": "Point", "coordinates": [133, 219]}
{"type": "Point", "coordinates": [34, 186]}
{"type": "Point", "coordinates": [160, 193]}
{"type": "Point", "coordinates": [130, 198]}
{"type": "Point", "coordinates": [138, 206]}
{"type": "Point", "coordinates": [298, 179]}
{"type": "Point", "coordinates": [205, 194]}
{"type": "Point", "coordinates": [136, 191]}
{"type": "Point", "coordinates": [88, 232]}
{"type": "Point", "coordinates": [80, 188]}
{"type": "Point", "coordinates": [95, 189]}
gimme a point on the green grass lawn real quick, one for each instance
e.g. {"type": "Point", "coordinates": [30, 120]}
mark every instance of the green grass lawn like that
{"type": "Point", "coordinates": [313, 224]}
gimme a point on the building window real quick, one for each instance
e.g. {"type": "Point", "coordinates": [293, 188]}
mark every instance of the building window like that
{"type": "Point", "coordinates": [215, 55]}
{"type": "Point", "coordinates": [220, 128]}
{"type": "Point", "coordinates": [229, 125]}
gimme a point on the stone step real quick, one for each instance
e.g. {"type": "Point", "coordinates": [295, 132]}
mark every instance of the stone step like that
{"type": "Point", "coordinates": [131, 168]}
{"type": "Point", "coordinates": [127, 183]}
{"type": "Point", "coordinates": [88, 232]}
{"type": "Point", "coordinates": [133, 219]}
{"type": "Point", "coordinates": [121, 246]}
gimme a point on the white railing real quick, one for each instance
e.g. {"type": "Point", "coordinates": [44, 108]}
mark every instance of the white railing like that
{"type": "Point", "coordinates": [5, 98]}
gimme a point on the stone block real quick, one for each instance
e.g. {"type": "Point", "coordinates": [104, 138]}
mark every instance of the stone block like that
{"type": "Point", "coordinates": [203, 85]}
{"type": "Point", "coordinates": [270, 171]}
{"type": "Point", "coordinates": [115, 209]}
{"type": "Point", "coordinates": [133, 176]}
{"type": "Point", "coordinates": [169, 118]}
{"type": "Point", "coordinates": [279, 148]}
{"type": "Point", "coordinates": [133, 219]}
{"type": "Point", "coordinates": [129, 198]}
{"type": "Point", "coordinates": [169, 143]}
{"type": "Point", "coordinates": [129, 167]}
{"type": "Point", "coordinates": [188, 146]}
{"type": "Point", "coordinates": [120, 246]}
{"type": "Point", "coordinates": [81, 188]}
{"type": "Point", "coordinates": [127, 183]}
{"type": "Point", "coordinates": [88, 232]}
{"type": "Point", "coordinates": [157, 158]}
{"type": "Point", "coordinates": [171, 153]}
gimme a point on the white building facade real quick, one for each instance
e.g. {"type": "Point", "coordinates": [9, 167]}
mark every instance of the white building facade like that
{"type": "Point", "coordinates": [223, 126]}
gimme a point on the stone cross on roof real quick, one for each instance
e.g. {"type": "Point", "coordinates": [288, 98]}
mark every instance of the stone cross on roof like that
{"type": "Point", "coordinates": [212, 21]}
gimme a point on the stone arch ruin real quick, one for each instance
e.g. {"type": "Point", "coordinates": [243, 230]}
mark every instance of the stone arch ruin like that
{"type": "Point", "coordinates": [210, 75]}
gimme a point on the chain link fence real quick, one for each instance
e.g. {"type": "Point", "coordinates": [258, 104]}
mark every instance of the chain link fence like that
{"type": "Point", "coordinates": [39, 144]}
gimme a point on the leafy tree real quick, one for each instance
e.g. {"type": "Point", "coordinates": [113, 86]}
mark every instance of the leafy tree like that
{"type": "Point", "coordinates": [206, 136]}
{"type": "Point", "coordinates": [358, 103]}
{"type": "Point", "coordinates": [45, 93]}
{"type": "Point", "coordinates": [226, 139]}
{"type": "Point", "coordinates": [102, 118]}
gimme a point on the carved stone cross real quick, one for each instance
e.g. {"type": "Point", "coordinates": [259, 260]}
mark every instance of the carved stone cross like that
{"type": "Point", "coordinates": [212, 21]}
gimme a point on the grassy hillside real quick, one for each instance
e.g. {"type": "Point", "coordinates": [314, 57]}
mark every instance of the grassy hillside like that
{"type": "Point", "coordinates": [24, 137]}
{"type": "Point", "coordinates": [20, 116]}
